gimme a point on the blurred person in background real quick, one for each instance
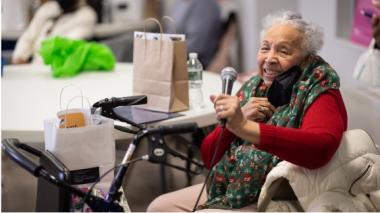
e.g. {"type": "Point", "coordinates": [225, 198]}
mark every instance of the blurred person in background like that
{"type": "Point", "coordinates": [376, 24]}
{"type": "Point", "coordinates": [68, 18]}
{"type": "Point", "coordinates": [229, 50]}
{"type": "Point", "coordinates": [201, 22]}
{"type": "Point", "coordinates": [367, 67]}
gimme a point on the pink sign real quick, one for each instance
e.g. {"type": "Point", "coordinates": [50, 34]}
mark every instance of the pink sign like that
{"type": "Point", "coordinates": [361, 31]}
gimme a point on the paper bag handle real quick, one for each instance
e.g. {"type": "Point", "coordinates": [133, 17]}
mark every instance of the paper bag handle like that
{"type": "Point", "coordinates": [83, 97]}
{"type": "Point", "coordinates": [63, 88]}
{"type": "Point", "coordinates": [172, 21]}
{"type": "Point", "coordinates": [159, 25]}
{"type": "Point", "coordinates": [157, 22]}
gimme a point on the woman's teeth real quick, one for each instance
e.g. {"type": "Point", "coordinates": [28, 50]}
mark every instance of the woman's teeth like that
{"type": "Point", "coordinates": [270, 72]}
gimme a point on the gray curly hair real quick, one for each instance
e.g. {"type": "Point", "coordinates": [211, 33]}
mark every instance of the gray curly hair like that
{"type": "Point", "coordinates": [313, 33]}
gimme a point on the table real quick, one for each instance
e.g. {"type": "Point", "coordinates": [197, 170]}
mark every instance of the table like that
{"type": "Point", "coordinates": [30, 94]}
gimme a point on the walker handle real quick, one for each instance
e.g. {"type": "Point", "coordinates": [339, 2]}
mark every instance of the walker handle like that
{"type": "Point", "coordinates": [11, 146]}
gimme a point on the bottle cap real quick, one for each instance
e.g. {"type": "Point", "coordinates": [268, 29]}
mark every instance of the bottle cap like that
{"type": "Point", "coordinates": [193, 55]}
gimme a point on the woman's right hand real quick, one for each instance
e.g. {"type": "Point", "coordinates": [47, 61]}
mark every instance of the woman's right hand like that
{"type": "Point", "coordinates": [258, 109]}
{"type": "Point", "coordinates": [228, 107]}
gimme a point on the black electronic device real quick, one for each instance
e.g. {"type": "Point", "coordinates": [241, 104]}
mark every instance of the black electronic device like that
{"type": "Point", "coordinates": [280, 91]}
{"type": "Point", "coordinates": [143, 116]}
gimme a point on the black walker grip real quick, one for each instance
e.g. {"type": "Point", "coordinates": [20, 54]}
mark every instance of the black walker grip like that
{"type": "Point", "coordinates": [175, 129]}
{"type": "Point", "coordinates": [10, 146]}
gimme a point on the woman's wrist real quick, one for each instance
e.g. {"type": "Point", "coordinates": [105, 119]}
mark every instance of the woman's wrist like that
{"type": "Point", "coordinates": [248, 130]}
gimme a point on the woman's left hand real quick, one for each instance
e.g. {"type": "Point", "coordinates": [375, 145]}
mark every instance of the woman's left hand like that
{"type": "Point", "coordinates": [228, 107]}
{"type": "Point", "coordinates": [258, 109]}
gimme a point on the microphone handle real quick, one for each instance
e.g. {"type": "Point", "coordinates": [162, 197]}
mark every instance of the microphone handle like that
{"type": "Point", "coordinates": [227, 85]}
{"type": "Point", "coordinates": [223, 122]}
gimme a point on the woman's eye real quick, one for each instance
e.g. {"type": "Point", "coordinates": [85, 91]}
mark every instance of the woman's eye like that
{"type": "Point", "coordinates": [284, 52]}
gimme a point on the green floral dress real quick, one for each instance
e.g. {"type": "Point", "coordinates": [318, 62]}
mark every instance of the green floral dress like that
{"type": "Point", "coordinates": [236, 180]}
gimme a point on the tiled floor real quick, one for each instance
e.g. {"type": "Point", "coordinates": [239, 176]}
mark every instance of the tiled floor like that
{"type": "Point", "coordinates": [142, 183]}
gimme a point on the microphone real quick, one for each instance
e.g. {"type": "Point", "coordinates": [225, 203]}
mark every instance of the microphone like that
{"type": "Point", "coordinates": [228, 76]}
{"type": "Point", "coordinates": [123, 101]}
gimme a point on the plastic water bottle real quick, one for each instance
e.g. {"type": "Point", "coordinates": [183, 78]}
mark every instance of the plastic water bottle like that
{"type": "Point", "coordinates": [195, 70]}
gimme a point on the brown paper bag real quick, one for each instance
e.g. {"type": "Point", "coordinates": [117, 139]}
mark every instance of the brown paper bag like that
{"type": "Point", "coordinates": [160, 71]}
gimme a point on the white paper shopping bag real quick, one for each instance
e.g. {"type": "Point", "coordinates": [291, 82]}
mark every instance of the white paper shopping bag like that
{"type": "Point", "coordinates": [83, 142]}
{"type": "Point", "coordinates": [89, 150]}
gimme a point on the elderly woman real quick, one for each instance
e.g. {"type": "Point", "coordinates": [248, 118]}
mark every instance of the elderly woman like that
{"type": "Point", "coordinates": [305, 129]}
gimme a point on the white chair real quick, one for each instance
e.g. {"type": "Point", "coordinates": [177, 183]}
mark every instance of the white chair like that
{"type": "Point", "coordinates": [349, 182]}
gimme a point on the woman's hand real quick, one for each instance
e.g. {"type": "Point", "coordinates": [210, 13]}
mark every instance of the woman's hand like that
{"type": "Point", "coordinates": [258, 109]}
{"type": "Point", "coordinates": [376, 29]}
{"type": "Point", "coordinates": [228, 107]}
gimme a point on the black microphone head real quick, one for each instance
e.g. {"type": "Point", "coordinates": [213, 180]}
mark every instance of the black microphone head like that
{"type": "Point", "coordinates": [229, 72]}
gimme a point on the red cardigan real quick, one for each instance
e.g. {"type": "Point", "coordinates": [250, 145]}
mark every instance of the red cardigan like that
{"type": "Point", "coordinates": [311, 146]}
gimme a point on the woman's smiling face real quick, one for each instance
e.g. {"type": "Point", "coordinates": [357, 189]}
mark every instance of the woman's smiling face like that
{"type": "Point", "coordinates": [280, 49]}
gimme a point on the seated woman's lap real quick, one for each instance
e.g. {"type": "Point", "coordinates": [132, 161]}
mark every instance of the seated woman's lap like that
{"type": "Point", "coordinates": [183, 200]}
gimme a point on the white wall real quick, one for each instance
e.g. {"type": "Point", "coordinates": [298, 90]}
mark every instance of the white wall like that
{"type": "Point", "coordinates": [14, 14]}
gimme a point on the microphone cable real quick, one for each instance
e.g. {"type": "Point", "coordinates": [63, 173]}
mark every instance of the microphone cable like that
{"type": "Point", "coordinates": [144, 157]}
{"type": "Point", "coordinates": [212, 163]}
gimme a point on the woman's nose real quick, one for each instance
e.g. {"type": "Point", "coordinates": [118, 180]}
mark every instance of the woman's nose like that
{"type": "Point", "coordinates": [271, 59]}
{"type": "Point", "coordinates": [270, 56]}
